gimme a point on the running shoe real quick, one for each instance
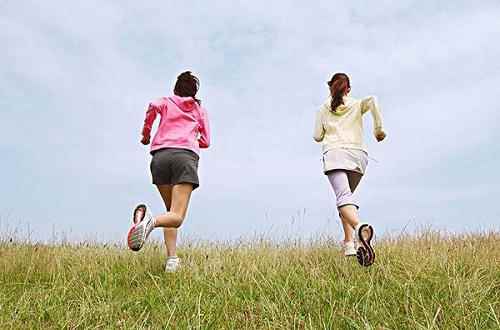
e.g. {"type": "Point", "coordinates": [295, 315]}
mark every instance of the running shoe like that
{"type": "Point", "coordinates": [143, 224]}
{"type": "Point", "coordinates": [349, 248]}
{"type": "Point", "coordinates": [173, 264]}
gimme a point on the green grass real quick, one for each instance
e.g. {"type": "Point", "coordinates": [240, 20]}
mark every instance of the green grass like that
{"type": "Point", "coordinates": [425, 282]}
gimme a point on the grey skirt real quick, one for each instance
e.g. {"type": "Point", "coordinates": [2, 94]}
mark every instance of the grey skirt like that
{"type": "Point", "coordinates": [173, 166]}
{"type": "Point", "coordinates": [345, 159]}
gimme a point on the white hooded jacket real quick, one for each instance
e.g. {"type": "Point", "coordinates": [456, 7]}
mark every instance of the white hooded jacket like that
{"type": "Point", "coordinates": [343, 128]}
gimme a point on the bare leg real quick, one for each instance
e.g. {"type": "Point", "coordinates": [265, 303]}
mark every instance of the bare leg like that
{"type": "Point", "coordinates": [349, 216]}
{"type": "Point", "coordinates": [169, 234]}
{"type": "Point", "coordinates": [348, 231]}
{"type": "Point", "coordinates": [181, 193]}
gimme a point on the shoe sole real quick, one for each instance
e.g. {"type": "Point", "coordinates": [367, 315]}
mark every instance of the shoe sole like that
{"type": "Point", "coordinates": [365, 253]}
{"type": "Point", "coordinates": [134, 238]}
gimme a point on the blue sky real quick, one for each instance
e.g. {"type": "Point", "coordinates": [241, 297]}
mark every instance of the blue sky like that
{"type": "Point", "coordinates": [75, 79]}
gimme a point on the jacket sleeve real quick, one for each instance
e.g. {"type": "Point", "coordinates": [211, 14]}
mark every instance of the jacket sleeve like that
{"type": "Point", "coordinates": [319, 130]}
{"type": "Point", "coordinates": [151, 113]}
{"type": "Point", "coordinates": [204, 139]}
{"type": "Point", "coordinates": [370, 104]}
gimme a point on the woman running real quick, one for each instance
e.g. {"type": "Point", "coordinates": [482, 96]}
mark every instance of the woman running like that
{"type": "Point", "coordinates": [175, 148]}
{"type": "Point", "coordinates": [339, 127]}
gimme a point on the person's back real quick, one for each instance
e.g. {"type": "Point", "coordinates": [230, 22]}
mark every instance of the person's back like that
{"type": "Point", "coordinates": [343, 128]}
{"type": "Point", "coordinates": [183, 124]}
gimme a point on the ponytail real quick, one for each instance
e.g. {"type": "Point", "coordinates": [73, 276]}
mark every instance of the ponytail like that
{"type": "Point", "coordinates": [339, 86]}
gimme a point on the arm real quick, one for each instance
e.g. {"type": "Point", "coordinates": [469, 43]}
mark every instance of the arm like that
{"type": "Point", "coordinates": [370, 104]}
{"type": "Point", "coordinates": [319, 130]}
{"type": "Point", "coordinates": [148, 122]}
{"type": "Point", "coordinates": [204, 139]}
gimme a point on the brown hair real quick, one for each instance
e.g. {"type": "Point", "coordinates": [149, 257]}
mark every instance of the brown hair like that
{"type": "Point", "coordinates": [187, 85]}
{"type": "Point", "coordinates": [339, 86]}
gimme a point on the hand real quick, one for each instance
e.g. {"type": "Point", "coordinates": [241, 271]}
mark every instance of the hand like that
{"type": "Point", "coordinates": [145, 140]}
{"type": "Point", "coordinates": [380, 135]}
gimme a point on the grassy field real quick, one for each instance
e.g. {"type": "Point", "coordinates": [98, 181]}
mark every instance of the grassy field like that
{"type": "Point", "coordinates": [425, 282]}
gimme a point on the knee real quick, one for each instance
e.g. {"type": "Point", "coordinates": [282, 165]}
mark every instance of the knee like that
{"type": "Point", "coordinates": [346, 210]}
{"type": "Point", "coordinates": [178, 219]}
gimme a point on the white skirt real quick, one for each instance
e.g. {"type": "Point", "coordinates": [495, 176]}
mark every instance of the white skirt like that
{"type": "Point", "coordinates": [345, 159]}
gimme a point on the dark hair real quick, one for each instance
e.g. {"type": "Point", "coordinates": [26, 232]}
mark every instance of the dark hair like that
{"type": "Point", "coordinates": [339, 85]}
{"type": "Point", "coordinates": [187, 85]}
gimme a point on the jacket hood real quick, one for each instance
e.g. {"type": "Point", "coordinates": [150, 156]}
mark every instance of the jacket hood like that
{"type": "Point", "coordinates": [341, 109]}
{"type": "Point", "coordinates": [186, 104]}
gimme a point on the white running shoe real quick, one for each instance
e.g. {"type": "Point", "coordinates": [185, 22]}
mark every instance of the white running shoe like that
{"type": "Point", "coordinates": [173, 264]}
{"type": "Point", "coordinates": [349, 248]}
{"type": "Point", "coordinates": [143, 224]}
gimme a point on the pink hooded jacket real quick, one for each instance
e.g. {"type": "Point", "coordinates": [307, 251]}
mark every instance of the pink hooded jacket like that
{"type": "Point", "coordinates": [183, 124]}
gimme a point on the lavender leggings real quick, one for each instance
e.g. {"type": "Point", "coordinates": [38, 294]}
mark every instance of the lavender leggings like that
{"type": "Point", "coordinates": [344, 183]}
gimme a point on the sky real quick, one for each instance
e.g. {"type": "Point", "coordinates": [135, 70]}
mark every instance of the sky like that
{"type": "Point", "coordinates": [76, 77]}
